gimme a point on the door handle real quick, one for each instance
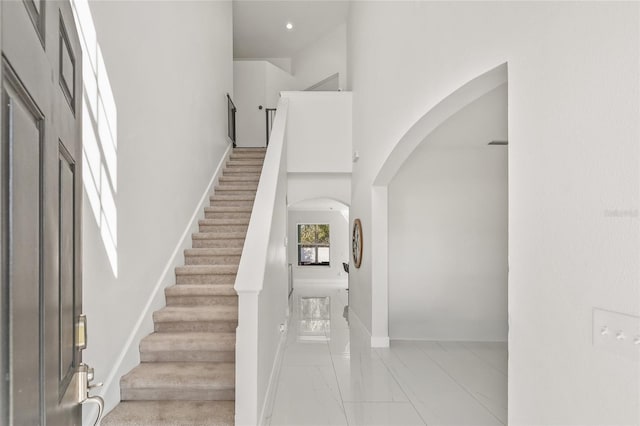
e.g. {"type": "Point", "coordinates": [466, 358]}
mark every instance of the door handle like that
{"type": "Point", "coordinates": [85, 377]}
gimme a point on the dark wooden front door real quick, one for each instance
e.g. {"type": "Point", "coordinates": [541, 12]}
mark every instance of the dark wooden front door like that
{"type": "Point", "coordinates": [41, 195]}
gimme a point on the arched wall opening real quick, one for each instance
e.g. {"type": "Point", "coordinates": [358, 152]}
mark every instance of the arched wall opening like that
{"type": "Point", "coordinates": [318, 211]}
{"type": "Point", "coordinates": [415, 136]}
{"type": "Point", "coordinates": [448, 230]}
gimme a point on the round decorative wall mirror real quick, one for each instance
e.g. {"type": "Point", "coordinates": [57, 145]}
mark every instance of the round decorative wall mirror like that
{"type": "Point", "coordinates": [356, 243]}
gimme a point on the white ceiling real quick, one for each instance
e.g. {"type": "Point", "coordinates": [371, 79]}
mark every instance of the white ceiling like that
{"type": "Point", "coordinates": [259, 25]}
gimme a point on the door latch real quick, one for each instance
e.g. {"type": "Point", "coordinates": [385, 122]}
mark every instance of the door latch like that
{"type": "Point", "coordinates": [85, 377]}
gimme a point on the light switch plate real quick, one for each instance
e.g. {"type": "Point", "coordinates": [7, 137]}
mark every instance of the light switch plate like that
{"type": "Point", "coordinates": [616, 332]}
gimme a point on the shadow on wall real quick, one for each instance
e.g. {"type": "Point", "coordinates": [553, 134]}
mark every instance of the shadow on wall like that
{"type": "Point", "coordinates": [99, 133]}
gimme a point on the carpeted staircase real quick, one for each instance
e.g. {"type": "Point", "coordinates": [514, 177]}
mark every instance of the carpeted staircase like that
{"type": "Point", "coordinates": [187, 370]}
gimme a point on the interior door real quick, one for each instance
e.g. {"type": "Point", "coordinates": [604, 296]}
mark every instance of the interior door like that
{"type": "Point", "coordinates": [40, 170]}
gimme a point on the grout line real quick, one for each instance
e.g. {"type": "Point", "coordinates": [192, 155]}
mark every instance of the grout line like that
{"type": "Point", "coordinates": [484, 360]}
{"type": "Point", "coordinates": [399, 382]}
{"type": "Point", "coordinates": [463, 387]}
{"type": "Point", "coordinates": [335, 373]}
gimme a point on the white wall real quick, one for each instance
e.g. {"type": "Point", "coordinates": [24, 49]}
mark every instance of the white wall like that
{"type": "Point", "coordinates": [256, 83]}
{"type": "Point", "coordinates": [169, 91]}
{"type": "Point", "coordinates": [319, 131]}
{"type": "Point", "coordinates": [448, 230]}
{"type": "Point", "coordinates": [319, 166]}
{"type": "Point", "coordinates": [573, 157]}
{"type": "Point", "coordinates": [304, 186]}
{"type": "Point", "coordinates": [277, 80]}
{"type": "Point", "coordinates": [249, 88]}
{"type": "Point", "coordinates": [283, 63]}
{"type": "Point", "coordinates": [332, 275]}
{"type": "Point", "coordinates": [321, 59]}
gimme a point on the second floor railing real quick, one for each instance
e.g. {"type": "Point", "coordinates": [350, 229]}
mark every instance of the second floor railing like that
{"type": "Point", "coordinates": [270, 114]}
{"type": "Point", "coordinates": [231, 120]}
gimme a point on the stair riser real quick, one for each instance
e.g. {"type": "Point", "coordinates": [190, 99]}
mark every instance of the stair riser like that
{"type": "Point", "coordinates": [226, 215]}
{"type": "Point", "coordinates": [208, 326]}
{"type": "Point", "coordinates": [188, 356]}
{"type": "Point", "coordinates": [202, 300]}
{"type": "Point", "coordinates": [247, 156]}
{"type": "Point", "coordinates": [237, 190]}
{"type": "Point", "coordinates": [206, 279]}
{"type": "Point", "coordinates": [230, 171]}
{"type": "Point", "coordinates": [245, 197]}
{"type": "Point", "coordinates": [228, 209]}
{"type": "Point", "coordinates": [245, 163]}
{"type": "Point", "coordinates": [212, 260]}
{"type": "Point", "coordinates": [217, 243]}
{"type": "Point", "coordinates": [223, 228]}
{"type": "Point", "coordinates": [240, 189]}
{"type": "Point", "coordinates": [177, 394]}
{"type": "Point", "coordinates": [241, 178]}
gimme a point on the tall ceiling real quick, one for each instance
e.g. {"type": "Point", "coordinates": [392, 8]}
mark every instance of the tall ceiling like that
{"type": "Point", "coordinates": [259, 25]}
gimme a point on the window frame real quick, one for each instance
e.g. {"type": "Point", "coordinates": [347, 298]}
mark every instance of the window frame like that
{"type": "Point", "coordinates": [314, 245]}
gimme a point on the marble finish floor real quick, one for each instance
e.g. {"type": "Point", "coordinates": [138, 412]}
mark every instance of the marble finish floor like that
{"type": "Point", "coordinates": [330, 376]}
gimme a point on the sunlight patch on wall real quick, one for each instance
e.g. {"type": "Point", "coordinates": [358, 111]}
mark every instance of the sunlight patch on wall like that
{"type": "Point", "coordinates": [100, 136]}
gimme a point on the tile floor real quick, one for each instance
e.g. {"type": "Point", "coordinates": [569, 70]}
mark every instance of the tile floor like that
{"type": "Point", "coordinates": [330, 376]}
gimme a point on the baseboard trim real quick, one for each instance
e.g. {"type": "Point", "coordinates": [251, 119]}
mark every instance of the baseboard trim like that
{"type": "Point", "coordinates": [130, 350]}
{"type": "Point", "coordinates": [380, 342]}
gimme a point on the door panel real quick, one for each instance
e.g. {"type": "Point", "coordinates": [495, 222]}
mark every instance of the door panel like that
{"type": "Point", "coordinates": [67, 352]}
{"type": "Point", "coordinates": [41, 189]}
{"type": "Point", "coordinates": [24, 125]}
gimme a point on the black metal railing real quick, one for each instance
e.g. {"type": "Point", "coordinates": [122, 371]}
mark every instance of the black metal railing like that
{"type": "Point", "coordinates": [231, 120]}
{"type": "Point", "coordinates": [270, 114]}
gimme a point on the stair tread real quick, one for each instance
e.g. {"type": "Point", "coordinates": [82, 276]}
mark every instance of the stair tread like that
{"type": "Point", "coordinates": [225, 313]}
{"type": "Point", "coordinates": [241, 177]}
{"type": "Point", "coordinates": [189, 341]}
{"type": "Point", "coordinates": [238, 197]}
{"type": "Point", "coordinates": [224, 221]}
{"type": "Point", "coordinates": [214, 251]}
{"type": "Point", "coordinates": [200, 290]}
{"type": "Point", "coordinates": [207, 270]}
{"type": "Point", "coordinates": [171, 413]}
{"type": "Point", "coordinates": [241, 170]}
{"type": "Point", "coordinates": [181, 375]}
{"type": "Point", "coordinates": [227, 186]}
{"type": "Point", "coordinates": [230, 209]}
{"type": "Point", "coordinates": [219, 235]}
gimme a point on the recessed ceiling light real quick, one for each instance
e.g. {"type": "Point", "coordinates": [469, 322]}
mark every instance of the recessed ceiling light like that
{"type": "Point", "coordinates": [289, 26]}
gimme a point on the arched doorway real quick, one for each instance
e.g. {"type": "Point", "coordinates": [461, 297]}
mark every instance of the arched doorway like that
{"type": "Point", "coordinates": [318, 235]}
{"type": "Point", "coordinates": [416, 135]}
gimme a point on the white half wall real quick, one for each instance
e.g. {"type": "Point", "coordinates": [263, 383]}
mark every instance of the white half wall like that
{"type": "Point", "coordinates": [332, 275]}
{"type": "Point", "coordinates": [574, 181]}
{"type": "Point", "coordinates": [448, 230]}
{"type": "Point", "coordinates": [169, 91]}
{"type": "Point", "coordinates": [319, 131]}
